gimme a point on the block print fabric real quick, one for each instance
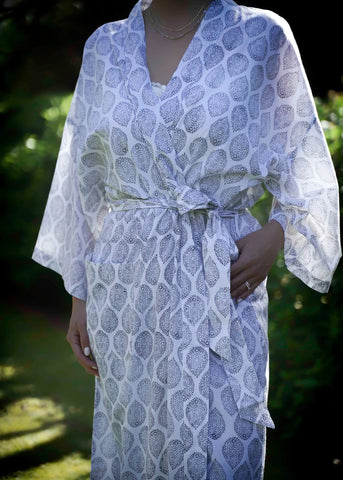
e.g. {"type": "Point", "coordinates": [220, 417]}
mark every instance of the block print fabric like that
{"type": "Point", "coordinates": [149, 196]}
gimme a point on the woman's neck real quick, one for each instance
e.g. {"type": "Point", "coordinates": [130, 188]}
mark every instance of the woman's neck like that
{"type": "Point", "coordinates": [174, 12]}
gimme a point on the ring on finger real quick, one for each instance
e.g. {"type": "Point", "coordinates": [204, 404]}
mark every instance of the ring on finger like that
{"type": "Point", "coordinates": [247, 284]}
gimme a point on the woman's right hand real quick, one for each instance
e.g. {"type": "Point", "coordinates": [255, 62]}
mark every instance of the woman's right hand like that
{"type": "Point", "coordinates": [77, 337]}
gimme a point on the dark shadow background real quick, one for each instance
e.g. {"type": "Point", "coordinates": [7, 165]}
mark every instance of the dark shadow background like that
{"type": "Point", "coordinates": [48, 38]}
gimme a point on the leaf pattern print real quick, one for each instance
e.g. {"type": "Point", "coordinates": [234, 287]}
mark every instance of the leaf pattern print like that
{"type": "Point", "coordinates": [151, 191]}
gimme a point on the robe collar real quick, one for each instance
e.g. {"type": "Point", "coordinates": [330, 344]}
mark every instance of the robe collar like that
{"type": "Point", "coordinates": [135, 52]}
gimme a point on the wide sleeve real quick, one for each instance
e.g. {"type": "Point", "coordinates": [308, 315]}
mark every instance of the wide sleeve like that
{"type": "Point", "coordinates": [75, 207]}
{"type": "Point", "coordinates": [300, 172]}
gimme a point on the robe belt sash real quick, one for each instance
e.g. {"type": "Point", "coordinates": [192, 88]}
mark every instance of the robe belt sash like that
{"type": "Point", "coordinates": [225, 333]}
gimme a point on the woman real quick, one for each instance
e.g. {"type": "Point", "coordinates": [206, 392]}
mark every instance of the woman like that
{"type": "Point", "coordinates": [182, 114]}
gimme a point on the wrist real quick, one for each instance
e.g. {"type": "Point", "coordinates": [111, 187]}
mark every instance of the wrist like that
{"type": "Point", "coordinates": [77, 301]}
{"type": "Point", "coordinates": [78, 306]}
{"type": "Point", "coordinates": [275, 229]}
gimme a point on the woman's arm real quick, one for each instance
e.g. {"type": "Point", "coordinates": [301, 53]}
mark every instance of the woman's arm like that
{"type": "Point", "coordinates": [257, 253]}
{"type": "Point", "coordinates": [77, 337]}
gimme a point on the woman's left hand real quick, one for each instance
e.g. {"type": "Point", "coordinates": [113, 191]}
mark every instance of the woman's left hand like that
{"type": "Point", "coordinates": [257, 253]}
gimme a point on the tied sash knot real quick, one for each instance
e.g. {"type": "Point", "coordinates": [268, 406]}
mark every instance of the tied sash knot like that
{"type": "Point", "coordinates": [226, 337]}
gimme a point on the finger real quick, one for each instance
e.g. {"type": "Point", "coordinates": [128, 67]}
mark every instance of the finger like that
{"type": "Point", "coordinates": [86, 362]}
{"type": "Point", "coordinates": [238, 289]}
{"type": "Point", "coordinates": [237, 267]}
{"type": "Point", "coordinates": [238, 281]}
{"type": "Point", "coordinates": [245, 291]}
{"type": "Point", "coordinates": [85, 346]}
{"type": "Point", "coordinates": [84, 339]}
{"type": "Point", "coordinates": [87, 352]}
{"type": "Point", "coordinates": [241, 263]}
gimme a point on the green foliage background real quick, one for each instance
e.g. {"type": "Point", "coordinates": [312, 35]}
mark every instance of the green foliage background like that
{"type": "Point", "coordinates": [306, 328]}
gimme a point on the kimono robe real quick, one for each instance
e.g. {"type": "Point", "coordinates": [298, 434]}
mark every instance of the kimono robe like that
{"type": "Point", "coordinates": [149, 196]}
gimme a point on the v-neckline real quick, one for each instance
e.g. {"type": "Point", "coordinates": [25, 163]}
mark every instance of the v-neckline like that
{"type": "Point", "coordinates": [182, 59]}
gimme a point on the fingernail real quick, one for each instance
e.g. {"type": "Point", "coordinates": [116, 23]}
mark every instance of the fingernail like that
{"type": "Point", "coordinates": [87, 351]}
{"type": "Point", "coordinates": [94, 368]}
{"type": "Point", "coordinates": [239, 300]}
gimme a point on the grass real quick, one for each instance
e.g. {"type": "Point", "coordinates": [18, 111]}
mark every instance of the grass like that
{"type": "Point", "coordinates": [46, 400]}
{"type": "Point", "coordinates": [46, 406]}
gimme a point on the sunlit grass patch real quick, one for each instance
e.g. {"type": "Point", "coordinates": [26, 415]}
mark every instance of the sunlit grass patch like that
{"type": "Point", "coordinates": [30, 440]}
{"type": "Point", "coordinates": [46, 401]}
{"type": "Point", "coordinates": [29, 422]}
{"type": "Point", "coordinates": [29, 414]}
{"type": "Point", "coordinates": [8, 371]}
{"type": "Point", "coordinates": [71, 467]}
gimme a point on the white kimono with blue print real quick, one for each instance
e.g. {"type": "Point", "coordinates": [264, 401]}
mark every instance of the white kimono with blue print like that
{"type": "Point", "coordinates": [149, 196]}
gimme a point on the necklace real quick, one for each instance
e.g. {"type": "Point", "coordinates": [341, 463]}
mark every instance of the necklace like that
{"type": "Point", "coordinates": [180, 31]}
{"type": "Point", "coordinates": [166, 27]}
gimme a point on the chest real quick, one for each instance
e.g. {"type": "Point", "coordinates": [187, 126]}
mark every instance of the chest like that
{"type": "Point", "coordinates": [163, 54]}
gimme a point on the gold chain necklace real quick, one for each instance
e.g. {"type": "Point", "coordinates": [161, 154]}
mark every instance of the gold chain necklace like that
{"type": "Point", "coordinates": [180, 31]}
{"type": "Point", "coordinates": [166, 27]}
